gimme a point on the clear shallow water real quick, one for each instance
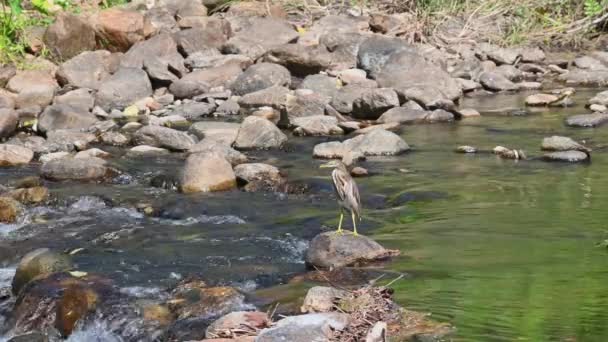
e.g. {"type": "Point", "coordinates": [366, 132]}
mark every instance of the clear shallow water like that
{"type": "Point", "coordinates": [503, 250]}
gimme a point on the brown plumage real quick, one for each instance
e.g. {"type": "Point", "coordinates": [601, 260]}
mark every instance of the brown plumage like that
{"type": "Point", "coordinates": [347, 192]}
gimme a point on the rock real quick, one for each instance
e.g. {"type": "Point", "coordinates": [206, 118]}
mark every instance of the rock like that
{"type": "Point", "coordinates": [510, 72]}
{"type": "Point", "coordinates": [374, 102]}
{"type": "Point", "coordinates": [339, 24]}
{"type": "Point", "coordinates": [391, 126]}
{"type": "Point", "coordinates": [587, 120]}
{"type": "Point", "coordinates": [498, 54]}
{"type": "Point", "coordinates": [194, 40]}
{"type": "Point", "coordinates": [343, 100]}
{"type": "Point", "coordinates": [321, 299]}
{"type": "Point", "coordinates": [255, 172]}
{"type": "Point", "coordinates": [600, 99]}
{"type": "Point", "coordinates": [305, 103]}
{"type": "Point", "coordinates": [259, 133]}
{"type": "Point", "coordinates": [268, 113]}
{"type": "Point", "coordinates": [30, 337]}
{"type": "Point", "coordinates": [496, 82]}
{"type": "Point", "coordinates": [299, 59]}
{"type": "Point", "coordinates": [331, 250]}
{"type": "Point", "coordinates": [29, 195]}
{"type": "Point", "coordinates": [261, 76]}
{"type": "Point", "coordinates": [210, 57]}
{"type": "Point", "coordinates": [7, 99]}
{"type": "Point", "coordinates": [236, 322]}
{"type": "Point", "coordinates": [145, 150]}
{"type": "Point", "coordinates": [9, 119]}
{"type": "Point", "coordinates": [466, 149]}
{"type": "Point", "coordinates": [200, 81]}
{"type": "Point", "coordinates": [378, 142]}
{"type": "Point", "coordinates": [120, 28]}
{"type": "Point", "coordinates": [221, 132]}
{"type": "Point", "coordinates": [253, 9]}
{"type": "Point", "coordinates": [124, 88]}
{"type": "Point", "coordinates": [91, 153]}
{"type": "Point", "coordinates": [114, 139]}
{"type": "Point", "coordinates": [229, 107]}
{"type": "Point", "coordinates": [88, 69]}
{"type": "Point", "coordinates": [404, 115]}
{"type": "Point", "coordinates": [258, 35]}
{"type": "Point", "coordinates": [81, 99]}
{"type": "Point", "coordinates": [164, 137]}
{"type": "Point", "coordinates": [506, 153]}
{"type": "Point", "coordinates": [316, 125]}
{"type": "Point", "coordinates": [598, 108]}
{"type": "Point", "coordinates": [57, 117]}
{"type": "Point", "coordinates": [207, 172]}
{"type": "Point", "coordinates": [468, 113]}
{"type": "Point", "coordinates": [321, 84]}
{"type": "Point", "coordinates": [34, 88]}
{"type": "Point", "coordinates": [194, 110]}
{"type": "Point", "coordinates": [83, 169]}
{"type": "Point", "coordinates": [195, 300]}
{"type": "Point", "coordinates": [375, 51]}
{"type": "Point", "coordinates": [68, 36]}
{"type": "Point", "coordinates": [9, 210]}
{"type": "Point", "coordinates": [557, 143]}
{"type": "Point", "coordinates": [37, 263]}
{"type": "Point", "coordinates": [532, 55]}
{"type": "Point", "coordinates": [11, 155]}
{"type": "Point", "coordinates": [69, 140]}
{"type": "Point", "coordinates": [233, 156]}
{"type": "Point", "coordinates": [6, 73]}
{"type": "Point", "coordinates": [588, 62]}
{"type": "Point", "coordinates": [541, 99]}
{"type": "Point", "coordinates": [353, 76]}
{"type": "Point", "coordinates": [583, 77]}
{"type": "Point", "coordinates": [52, 156]}
{"type": "Point", "coordinates": [567, 156]}
{"type": "Point", "coordinates": [343, 47]}
{"type": "Point", "coordinates": [159, 56]}
{"type": "Point", "coordinates": [274, 97]}
{"type": "Point", "coordinates": [161, 19]}
{"type": "Point", "coordinates": [305, 328]}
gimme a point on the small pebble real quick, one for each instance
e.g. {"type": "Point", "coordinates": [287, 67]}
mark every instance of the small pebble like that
{"type": "Point", "coordinates": [466, 149]}
{"type": "Point", "coordinates": [358, 171]}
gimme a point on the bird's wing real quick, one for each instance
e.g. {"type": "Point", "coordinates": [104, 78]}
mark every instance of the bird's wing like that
{"type": "Point", "coordinates": [353, 193]}
{"type": "Point", "coordinates": [339, 183]}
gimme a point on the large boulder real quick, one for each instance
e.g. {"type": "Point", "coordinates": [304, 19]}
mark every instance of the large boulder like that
{"type": "Point", "coordinates": [39, 262]}
{"type": "Point", "coordinates": [274, 97]}
{"type": "Point", "coordinates": [321, 299]}
{"type": "Point", "coordinates": [237, 321]}
{"type": "Point", "coordinates": [120, 28]}
{"type": "Point", "coordinates": [378, 142]}
{"type": "Point", "coordinates": [14, 155]}
{"type": "Point", "coordinates": [600, 99]}
{"type": "Point", "coordinates": [9, 209]}
{"type": "Point", "coordinates": [346, 96]}
{"type": "Point", "coordinates": [567, 156]}
{"type": "Point", "coordinates": [496, 81]}
{"type": "Point", "coordinates": [585, 77]}
{"type": "Point", "coordinates": [305, 328]}
{"type": "Point", "coordinates": [9, 119]}
{"type": "Point", "coordinates": [258, 35]}
{"type": "Point", "coordinates": [7, 99]}
{"type": "Point", "coordinates": [299, 59]}
{"type": "Point", "coordinates": [316, 125]}
{"type": "Point", "coordinates": [221, 132]}
{"type": "Point", "coordinates": [123, 89]}
{"type": "Point", "coordinates": [68, 140]}
{"type": "Point", "coordinates": [261, 76]}
{"type": "Point", "coordinates": [373, 102]}
{"type": "Point", "coordinates": [304, 103]}
{"type": "Point", "coordinates": [207, 172]}
{"type": "Point", "coordinates": [331, 250]}
{"type": "Point", "coordinates": [252, 172]}
{"type": "Point", "coordinates": [161, 46]}
{"type": "Point", "coordinates": [165, 137]}
{"type": "Point", "coordinates": [81, 99]}
{"type": "Point", "coordinates": [321, 84]}
{"type": "Point", "coordinates": [404, 115]}
{"type": "Point", "coordinates": [200, 81]}
{"type": "Point", "coordinates": [33, 88]}
{"type": "Point", "coordinates": [196, 39]}
{"type": "Point", "coordinates": [68, 36]}
{"type": "Point", "coordinates": [88, 69]}
{"type": "Point", "coordinates": [233, 156]}
{"type": "Point", "coordinates": [82, 169]}
{"type": "Point", "coordinates": [587, 120]}
{"type": "Point", "coordinates": [259, 133]}
{"type": "Point", "coordinates": [557, 143]}
{"type": "Point", "coordinates": [65, 117]}
{"type": "Point", "coordinates": [374, 52]}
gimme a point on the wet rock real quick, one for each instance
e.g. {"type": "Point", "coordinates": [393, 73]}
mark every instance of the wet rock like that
{"type": "Point", "coordinates": [496, 82]}
{"type": "Point", "coordinates": [120, 28]}
{"type": "Point", "coordinates": [69, 140]}
{"type": "Point", "coordinates": [305, 328]}
{"type": "Point", "coordinates": [88, 69]}
{"type": "Point", "coordinates": [207, 172]}
{"type": "Point", "coordinates": [261, 76]}
{"type": "Point", "coordinates": [83, 169]}
{"type": "Point", "coordinates": [541, 99]}
{"type": "Point", "coordinates": [124, 88]}
{"type": "Point", "coordinates": [57, 117]}
{"type": "Point", "coordinates": [37, 263]}
{"type": "Point", "coordinates": [259, 172]}
{"type": "Point", "coordinates": [468, 113]}
{"type": "Point", "coordinates": [585, 77]}
{"type": "Point", "coordinates": [163, 137]}
{"type": "Point", "coordinates": [193, 40]}
{"type": "Point", "coordinates": [587, 120]}
{"type": "Point", "coordinates": [259, 133]}
{"type": "Point", "coordinates": [374, 102]}
{"type": "Point", "coordinates": [316, 125]}
{"type": "Point", "coordinates": [567, 156]}
{"type": "Point", "coordinates": [9, 209]}
{"type": "Point", "coordinates": [33, 88]}
{"type": "Point", "coordinates": [221, 132]}
{"type": "Point", "coordinates": [258, 35]}
{"type": "Point", "coordinates": [404, 115]}
{"type": "Point", "coordinates": [200, 81]}
{"type": "Point", "coordinates": [11, 155]}
{"type": "Point", "coordinates": [299, 59]}
{"type": "Point", "coordinates": [235, 322]}
{"type": "Point", "coordinates": [209, 145]}
{"type": "Point", "coordinates": [507, 153]}
{"type": "Point", "coordinates": [588, 62]}
{"type": "Point", "coordinates": [558, 143]}
{"type": "Point", "coordinates": [378, 142]}
{"type": "Point", "coordinates": [600, 99]}
{"type": "Point", "coordinates": [321, 84]}
{"type": "Point", "coordinates": [92, 153]}
{"type": "Point", "coordinates": [331, 250]}
{"type": "Point", "coordinates": [145, 150]}
{"type": "Point", "coordinates": [68, 36]}
{"type": "Point", "coordinates": [195, 300]}
{"type": "Point", "coordinates": [9, 119]}
{"type": "Point", "coordinates": [321, 299]}
{"type": "Point", "coordinates": [29, 195]}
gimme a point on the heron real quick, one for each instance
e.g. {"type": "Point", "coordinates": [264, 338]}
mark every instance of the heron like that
{"type": "Point", "coordinates": [347, 192]}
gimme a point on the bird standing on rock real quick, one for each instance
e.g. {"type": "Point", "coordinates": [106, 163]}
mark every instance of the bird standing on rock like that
{"type": "Point", "coordinates": [347, 193]}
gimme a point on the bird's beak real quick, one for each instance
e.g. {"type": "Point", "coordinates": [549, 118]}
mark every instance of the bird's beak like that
{"type": "Point", "coordinates": [326, 166]}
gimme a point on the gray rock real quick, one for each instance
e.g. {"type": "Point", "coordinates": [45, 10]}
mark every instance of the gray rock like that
{"type": "Point", "coordinates": [92, 153]}
{"type": "Point", "coordinates": [158, 55]}
{"type": "Point", "coordinates": [114, 139]}
{"type": "Point", "coordinates": [343, 46]}
{"type": "Point", "coordinates": [34, 88]}
{"type": "Point", "coordinates": [374, 102]}
{"type": "Point", "coordinates": [331, 250]}
{"type": "Point", "coordinates": [81, 99]}
{"type": "Point", "coordinates": [7, 99]}
{"type": "Point", "coordinates": [221, 132]}
{"type": "Point", "coordinates": [305, 103]}
{"type": "Point", "coordinates": [11, 155]}
{"type": "Point", "coordinates": [251, 172]}
{"type": "Point", "coordinates": [590, 63]}
{"type": "Point", "coordinates": [164, 137]}
{"type": "Point", "coordinates": [68, 140]}
{"type": "Point", "coordinates": [261, 76]}
{"type": "Point", "coordinates": [123, 89]}
{"type": "Point", "coordinates": [316, 125]}
{"type": "Point", "coordinates": [585, 77]}
{"type": "Point", "coordinates": [406, 116]}
{"type": "Point", "coordinates": [196, 39]}
{"type": "Point", "coordinates": [343, 100]}
{"type": "Point", "coordinates": [305, 328]}
{"type": "Point", "coordinates": [498, 54]}
{"type": "Point", "coordinates": [194, 110]}
{"type": "Point", "coordinates": [557, 143]}
{"type": "Point", "coordinates": [33, 142]}
{"type": "Point", "coordinates": [236, 321]}
{"type": "Point", "coordinates": [68, 36]}
{"type": "Point", "coordinates": [299, 59]}
{"type": "Point", "coordinates": [378, 142]}
{"type": "Point", "coordinates": [145, 150]}
{"type": "Point", "coordinates": [321, 299]}
{"type": "Point", "coordinates": [200, 81]}
{"type": "Point", "coordinates": [75, 169]}
{"type": "Point", "coordinates": [233, 156]}
{"type": "Point", "coordinates": [375, 51]}
{"type": "Point", "coordinates": [600, 99]}
{"type": "Point", "coordinates": [532, 55]}
{"type": "Point", "coordinates": [466, 149]}
{"type": "Point", "coordinates": [210, 57]}
{"type": "Point", "coordinates": [495, 81]}
{"type": "Point", "coordinates": [88, 69]}
{"type": "Point", "coordinates": [229, 107]}
{"type": "Point", "coordinates": [587, 120]}
{"type": "Point", "coordinates": [567, 156]}
{"type": "Point", "coordinates": [259, 133]}
{"type": "Point", "coordinates": [6, 73]}
{"type": "Point", "coordinates": [321, 84]}
{"type": "Point", "coordinates": [258, 35]}
{"type": "Point", "coordinates": [57, 117]}
{"type": "Point", "coordinates": [39, 262]}
{"type": "Point", "coordinates": [274, 97]}
{"type": "Point", "coordinates": [510, 72]}
{"type": "Point", "coordinates": [541, 99]}
{"type": "Point", "coordinates": [9, 119]}
{"type": "Point", "coordinates": [207, 172]}
{"type": "Point", "coordinates": [162, 19]}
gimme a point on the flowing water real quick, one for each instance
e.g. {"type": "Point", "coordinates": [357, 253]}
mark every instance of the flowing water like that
{"type": "Point", "coordinates": [503, 250]}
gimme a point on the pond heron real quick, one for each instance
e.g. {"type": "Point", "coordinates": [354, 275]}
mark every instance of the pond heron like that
{"type": "Point", "coordinates": [347, 193]}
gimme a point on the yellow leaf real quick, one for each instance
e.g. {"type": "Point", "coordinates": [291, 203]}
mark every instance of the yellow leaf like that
{"type": "Point", "coordinates": [301, 30]}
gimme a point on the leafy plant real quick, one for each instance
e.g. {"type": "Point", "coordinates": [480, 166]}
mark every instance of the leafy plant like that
{"type": "Point", "coordinates": [594, 7]}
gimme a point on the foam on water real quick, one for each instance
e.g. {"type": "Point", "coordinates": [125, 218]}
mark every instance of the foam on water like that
{"type": "Point", "coordinates": [212, 219]}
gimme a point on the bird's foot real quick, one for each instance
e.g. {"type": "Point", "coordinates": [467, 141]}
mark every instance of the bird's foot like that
{"type": "Point", "coordinates": [355, 233]}
{"type": "Point", "coordinates": [340, 232]}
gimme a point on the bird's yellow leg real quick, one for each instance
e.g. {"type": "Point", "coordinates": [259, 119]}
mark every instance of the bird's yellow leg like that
{"type": "Point", "coordinates": [340, 223]}
{"type": "Point", "coordinates": [354, 224]}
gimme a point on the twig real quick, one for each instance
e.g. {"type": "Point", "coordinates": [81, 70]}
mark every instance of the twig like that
{"type": "Point", "coordinates": [394, 280]}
